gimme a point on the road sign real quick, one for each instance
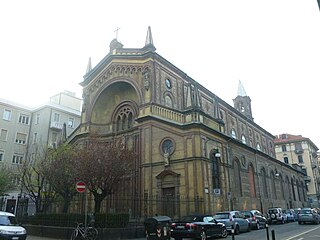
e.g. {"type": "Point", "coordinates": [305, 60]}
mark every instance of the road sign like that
{"type": "Point", "coordinates": [80, 187]}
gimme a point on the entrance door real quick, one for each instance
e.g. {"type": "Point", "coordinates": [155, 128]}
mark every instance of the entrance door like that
{"type": "Point", "coordinates": [168, 201]}
{"type": "Point", "coordinates": [11, 205]}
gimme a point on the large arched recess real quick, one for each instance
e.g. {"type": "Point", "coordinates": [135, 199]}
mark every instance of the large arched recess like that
{"type": "Point", "coordinates": [109, 98]}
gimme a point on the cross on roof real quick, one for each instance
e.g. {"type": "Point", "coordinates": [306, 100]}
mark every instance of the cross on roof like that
{"type": "Point", "coordinates": [117, 32]}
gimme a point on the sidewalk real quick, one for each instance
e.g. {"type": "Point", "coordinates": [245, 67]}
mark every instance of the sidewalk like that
{"type": "Point", "coordinates": [46, 238]}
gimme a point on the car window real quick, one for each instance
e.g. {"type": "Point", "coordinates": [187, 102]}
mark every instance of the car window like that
{"type": "Point", "coordinates": [7, 220]}
{"type": "Point", "coordinates": [221, 216]}
{"type": "Point", "coordinates": [305, 211]}
{"type": "Point", "coordinates": [246, 214]}
{"type": "Point", "coordinates": [208, 219]}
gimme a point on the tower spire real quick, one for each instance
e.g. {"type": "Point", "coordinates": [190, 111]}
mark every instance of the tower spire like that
{"type": "Point", "coordinates": [89, 67]}
{"type": "Point", "coordinates": [149, 40]}
{"type": "Point", "coordinates": [241, 91]}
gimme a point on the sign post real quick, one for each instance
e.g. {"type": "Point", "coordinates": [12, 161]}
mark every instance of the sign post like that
{"type": "Point", "coordinates": [81, 188]}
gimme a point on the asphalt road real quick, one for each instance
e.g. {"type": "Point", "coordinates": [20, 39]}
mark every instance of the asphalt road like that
{"type": "Point", "coordinates": [288, 231]}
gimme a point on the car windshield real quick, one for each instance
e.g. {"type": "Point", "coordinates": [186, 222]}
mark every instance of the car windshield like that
{"type": "Point", "coordinates": [192, 218]}
{"type": "Point", "coordinates": [305, 211]}
{"type": "Point", "coordinates": [246, 214]}
{"type": "Point", "coordinates": [221, 216]}
{"type": "Point", "coordinates": [7, 220]}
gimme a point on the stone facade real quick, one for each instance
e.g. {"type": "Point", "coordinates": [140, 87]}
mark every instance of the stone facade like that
{"type": "Point", "coordinates": [197, 153]}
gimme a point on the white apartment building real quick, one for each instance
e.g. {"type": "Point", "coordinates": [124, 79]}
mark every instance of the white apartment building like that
{"type": "Point", "coordinates": [23, 129]}
{"type": "Point", "coordinates": [295, 149]}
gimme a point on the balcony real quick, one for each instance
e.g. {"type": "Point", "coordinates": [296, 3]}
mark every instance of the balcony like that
{"type": "Point", "coordinates": [298, 151]}
{"type": "Point", "coordinates": [307, 178]}
{"type": "Point", "coordinates": [56, 125]}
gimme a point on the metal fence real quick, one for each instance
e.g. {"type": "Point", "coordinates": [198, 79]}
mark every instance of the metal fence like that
{"type": "Point", "coordinates": [137, 208]}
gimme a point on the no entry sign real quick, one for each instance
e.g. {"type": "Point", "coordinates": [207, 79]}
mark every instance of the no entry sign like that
{"type": "Point", "coordinates": [80, 187]}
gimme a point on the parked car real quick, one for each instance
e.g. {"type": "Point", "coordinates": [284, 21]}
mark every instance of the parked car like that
{"type": "Point", "coordinates": [291, 215]}
{"type": "Point", "coordinates": [9, 228]}
{"type": "Point", "coordinates": [296, 211]}
{"type": "Point", "coordinates": [308, 215]}
{"type": "Point", "coordinates": [276, 215]}
{"type": "Point", "coordinates": [259, 220]}
{"type": "Point", "coordinates": [235, 219]}
{"type": "Point", "coordinates": [197, 226]}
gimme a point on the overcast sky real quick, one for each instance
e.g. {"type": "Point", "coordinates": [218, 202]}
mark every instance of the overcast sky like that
{"type": "Point", "coordinates": [272, 46]}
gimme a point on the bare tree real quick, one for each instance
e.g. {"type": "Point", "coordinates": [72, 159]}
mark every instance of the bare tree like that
{"type": "Point", "coordinates": [103, 165]}
{"type": "Point", "coordinates": [5, 181]}
{"type": "Point", "coordinates": [34, 181]}
{"type": "Point", "coordinates": [60, 173]}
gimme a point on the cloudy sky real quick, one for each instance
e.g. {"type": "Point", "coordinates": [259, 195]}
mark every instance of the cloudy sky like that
{"type": "Point", "coordinates": [272, 46]}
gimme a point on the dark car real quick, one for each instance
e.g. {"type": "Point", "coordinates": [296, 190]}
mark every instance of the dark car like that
{"type": "Point", "coordinates": [200, 226]}
{"type": "Point", "coordinates": [308, 215]}
{"type": "Point", "coordinates": [276, 215]}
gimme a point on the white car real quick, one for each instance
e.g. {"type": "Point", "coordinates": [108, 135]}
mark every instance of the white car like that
{"type": "Point", "coordinates": [10, 229]}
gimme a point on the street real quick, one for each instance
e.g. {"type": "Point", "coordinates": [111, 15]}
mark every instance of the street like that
{"type": "Point", "coordinates": [288, 231]}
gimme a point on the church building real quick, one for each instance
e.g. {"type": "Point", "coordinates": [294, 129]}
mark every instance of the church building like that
{"type": "Point", "coordinates": [197, 154]}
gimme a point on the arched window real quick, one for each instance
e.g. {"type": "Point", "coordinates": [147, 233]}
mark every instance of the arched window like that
{"type": "Point", "coordinates": [168, 101]}
{"type": "Point", "coordinates": [243, 139]}
{"type": "Point", "coordinates": [215, 170]}
{"type": "Point", "coordinates": [293, 191]}
{"type": "Point", "coordinates": [258, 147]}
{"type": "Point", "coordinates": [264, 183]}
{"type": "Point", "coordinates": [273, 186]}
{"type": "Point", "coordinates": [124, 118]}
{"type": "Point", "coordinates": [233, 133]}
{"type": "Point", "coordinates": [282, 187]}
{"type": "Point", "coordinates": [298, 190]}
{"type": "Point", "coordinates": [288, 188]}
{"type": "Point", "coordinates": [252, 184]}
{"type": "Point", "coordinates": [303, 191]}
{"type": "Point", "coordinates": [237, 179]}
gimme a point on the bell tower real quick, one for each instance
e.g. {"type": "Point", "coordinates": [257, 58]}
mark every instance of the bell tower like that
{"type": "Point", "coordinates": [243, 102]}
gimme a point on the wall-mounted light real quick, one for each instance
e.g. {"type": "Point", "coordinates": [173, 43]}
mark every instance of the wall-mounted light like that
{"type": "Point", "coordinates": [277, 174]}
{"type": "Point", "coordinates": [217, 154]}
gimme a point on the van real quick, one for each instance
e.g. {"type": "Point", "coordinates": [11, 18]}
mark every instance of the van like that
{"type": "Point", "coordinates": [10, 229]}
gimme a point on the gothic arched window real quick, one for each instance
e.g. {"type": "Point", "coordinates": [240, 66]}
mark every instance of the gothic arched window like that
{"type": "Point", "coordinates": [282, 187]}
{"type": "Point", "coordinates": [124, 119]}
{"type": "Point", "coordinates": [298, 188]}
{"type": "Point", "coordinates": [293, 191]}
{"type": "Point", "coordinates": [273, 186]}
{"type": "Point", "coordinates": [264, 183]}
{"type": "Point", "coordinates": [215, 169]}
{"type": "Point", "coordinates": [252, 184]}
{"type": "Point", "coordinates": [237, 179]}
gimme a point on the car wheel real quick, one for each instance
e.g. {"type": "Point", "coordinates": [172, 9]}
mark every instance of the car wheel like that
{"type": "Point", "coordinates": [203, 235]}
{"type": "Point", "coordinates": [237, 230]}
{"type": "Point", "coordinates": [258, 226]}
{"type": "Point", "coordinates": [224, 233]}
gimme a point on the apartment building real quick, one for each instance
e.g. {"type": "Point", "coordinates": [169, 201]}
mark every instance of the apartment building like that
{"type": "Point", "coordinates": [296, 149]}
{"type": "Point", "coordinates": [24, 129]}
